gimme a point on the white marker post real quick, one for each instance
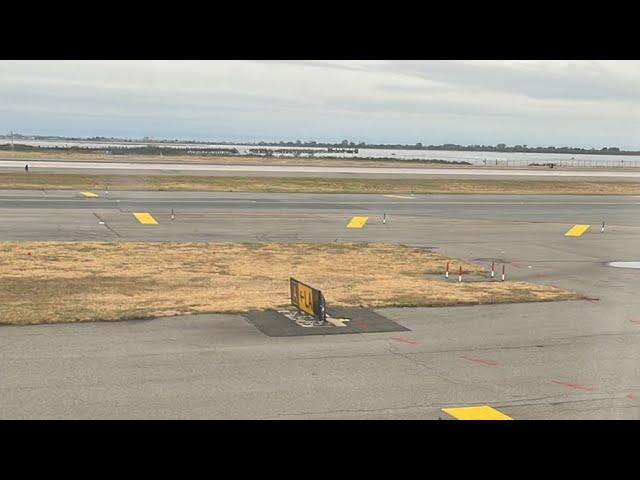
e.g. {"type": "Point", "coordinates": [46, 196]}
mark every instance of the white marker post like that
{"type": "Point", "coordinates": [460, 274]}
{"type": "Point", "coordinates": [503, 272]}
{"type": "Point", "coordinates": [446, 273]}
{"type": "Point", "coordinates": [493, 267]}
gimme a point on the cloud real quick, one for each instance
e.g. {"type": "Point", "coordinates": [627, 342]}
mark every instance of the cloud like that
{"type": "Point", "coordinates": [531, 102]}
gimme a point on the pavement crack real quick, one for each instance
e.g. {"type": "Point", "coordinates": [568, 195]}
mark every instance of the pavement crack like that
{"type": "Point", "coordinates": [563, 343]}
{"type": "Point", "coordinates": [353, 410]}
{"type": "Point", "coordinates": [411, 359]}
{"type": "Point", "coordinates": [108, 227]}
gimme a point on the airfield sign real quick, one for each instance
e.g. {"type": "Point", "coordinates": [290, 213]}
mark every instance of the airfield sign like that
{"type": "Point", "coordinates": [308, 299]}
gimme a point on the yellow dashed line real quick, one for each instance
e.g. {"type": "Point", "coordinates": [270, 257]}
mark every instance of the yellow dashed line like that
{"type": "Point", "coordinates": [145, 218]}
{"type": "Point", "coordinates": [577, 230]}
{"type": "Point", "coordinates": [357, 222]}
{"type": "Point", "coordinates": [483, 412]}
{"type": "Point", "coordinates": [89, 194]}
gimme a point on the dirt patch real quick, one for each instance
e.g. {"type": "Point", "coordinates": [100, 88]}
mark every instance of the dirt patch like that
{"type": "Point", "coordinates": [48, 282]}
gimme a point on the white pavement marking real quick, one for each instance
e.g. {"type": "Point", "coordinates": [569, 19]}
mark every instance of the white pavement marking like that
{"type": "Point", "coordinates": [625, 264]}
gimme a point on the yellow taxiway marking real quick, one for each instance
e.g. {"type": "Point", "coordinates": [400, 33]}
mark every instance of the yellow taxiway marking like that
{"type": "Point", "coordinates": [145, 218]}
{"type": "Point", "coordinates": [89, 194]}
{"type": "Point", "coordinates": [577, 230]}
{"type": "Point", "coordinates": [483, 412]}
{"type": "Point", "coordinates": [357, 222]}
{"type": "Point", "coordinates": [400, 196]}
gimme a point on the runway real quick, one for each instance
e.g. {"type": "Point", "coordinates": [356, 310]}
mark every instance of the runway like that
{"type": "Point", "coordinates": [124, 168]}
{"type": "Point", "coordinates": [577, 359]}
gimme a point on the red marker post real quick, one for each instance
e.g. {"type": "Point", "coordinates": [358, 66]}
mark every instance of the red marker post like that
{"type": "Point", "coordinates": [493, 267]}
{"type": "Point", "coordinates": [503, 272]}
{"type": "Point", "coordinates": [460, 274]}
{"type": "Point", "coordinates": [446, 273]}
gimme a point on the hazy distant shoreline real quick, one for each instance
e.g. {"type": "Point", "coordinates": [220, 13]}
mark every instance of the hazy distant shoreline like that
{"type": "Point", "coordinates": [117, 150]}
{"type": "Point", "coordinates": [499, 148]}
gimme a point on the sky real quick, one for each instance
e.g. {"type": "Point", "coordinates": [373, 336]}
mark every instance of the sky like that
{"type": "Point", "coordinates": [536, 103]}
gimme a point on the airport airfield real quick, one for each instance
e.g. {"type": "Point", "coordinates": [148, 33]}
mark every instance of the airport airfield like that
{"type": "Point", "coordinates": [575, 359]}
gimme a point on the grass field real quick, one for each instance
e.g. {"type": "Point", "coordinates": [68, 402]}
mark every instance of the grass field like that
{"type": "Point", "coordinates": [309, 185]}
{"type": "Point", "coordinates": [49, 282]}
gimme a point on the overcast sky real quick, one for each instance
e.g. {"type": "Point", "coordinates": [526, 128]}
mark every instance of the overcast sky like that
{"type": "Point", "coordinates": [537, 103]}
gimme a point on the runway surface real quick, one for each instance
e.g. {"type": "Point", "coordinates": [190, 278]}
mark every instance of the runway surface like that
{"type": "Point", "coordinates": [577, 359]}
{"type": "Point", "coordinates": [124, 168]}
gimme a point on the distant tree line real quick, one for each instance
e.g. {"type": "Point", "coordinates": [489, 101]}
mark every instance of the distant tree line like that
{"type": "Point", "coordinates": [501, 147]}
{"type": "Point", "coordinates": [347, 144]}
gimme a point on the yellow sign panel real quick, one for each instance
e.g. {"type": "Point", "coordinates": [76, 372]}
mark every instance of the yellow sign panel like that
{"type": "Point", "coordinates": [483, 412]}
{"type": "Point", "coordinates": [305, 299]}
{"type": "Point", "coordinates": [577, 230]}
{"type": "Point", "coordinates": [357, 222]}
{"type": "Point", "coordinates": [145, 218]}
{"type": "Point", "coordinates": [308, 299]}
{"type": "Point", "coordinates": [89, 194]}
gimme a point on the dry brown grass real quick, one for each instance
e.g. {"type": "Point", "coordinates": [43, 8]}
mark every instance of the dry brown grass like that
{"type": "Point", "coordinates": [310, 185]}
{"type": "Point", "coordinates": [89, 281]}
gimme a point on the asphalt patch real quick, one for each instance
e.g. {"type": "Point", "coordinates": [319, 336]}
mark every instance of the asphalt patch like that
{"type": "Point", "coordinates": [361, 320]}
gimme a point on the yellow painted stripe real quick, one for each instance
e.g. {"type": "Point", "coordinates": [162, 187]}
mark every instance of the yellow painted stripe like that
{"type": "Point", "coordinates": [357, 222]}
{"type": "Point", "coordinates": [483, 412]}
{"type": "Point", "coordinates": [577, 230]}
{"type": "Point", "coordinates": [145, 218]}
{"type": "Point", "coordinates": [89, 194]}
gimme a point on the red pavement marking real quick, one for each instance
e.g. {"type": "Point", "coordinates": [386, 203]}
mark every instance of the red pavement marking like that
{"type": "Point", "coordinates": [360, 324]}
{"type": "Point", "coordinates": [517, 264]}
{"type": "Point", "coordinates": [482, 361]}
{"type": "Point", "coordinates": [637, 322]}
{"type": "Point", "coordinates": [630, 396]}
{"type": "Point", "coordinates": [553, 285]}
{"type": "Point", "coordinates": [575, 386]}
{"type": "Point", "coordinates": [405, 340]}
{"type": "Point", "coordinates": [540, 275]}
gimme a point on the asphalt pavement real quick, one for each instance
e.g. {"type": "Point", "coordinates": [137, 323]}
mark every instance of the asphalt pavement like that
{"type": "Point", "coordinates": [571, 359]}
{"type": "Point", "coordinates": [320, 171]}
